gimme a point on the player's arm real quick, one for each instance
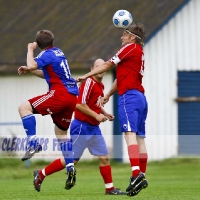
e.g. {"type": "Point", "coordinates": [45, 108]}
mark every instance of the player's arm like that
{"type": "Point", "coordinates": [39, 73]}
{"type": "Point", "coordinates": [109, 116]}
{"type": "Point", "coordinates": [100, 69]}
{"type": "Point", "coordinates": [31, 63]}
{"type": "Point", "coordinates": [87, 111]}
{"type": "Point", "coordinates": [112, 90]}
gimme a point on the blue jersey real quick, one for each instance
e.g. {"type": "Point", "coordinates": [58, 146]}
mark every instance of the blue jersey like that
{"type": "Point", "coordinates": [53, 63]}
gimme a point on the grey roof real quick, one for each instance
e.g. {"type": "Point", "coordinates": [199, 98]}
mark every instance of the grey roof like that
{"type": "Point", "coordinates": [83, 29]}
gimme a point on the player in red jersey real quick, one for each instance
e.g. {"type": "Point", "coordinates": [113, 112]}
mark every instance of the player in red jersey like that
{"type": "Point", "coordinates": [132, 104]}
{"type": "Point", "coordinates": [59, 102]}
{"type": "Point", "coordinates": [85, 132]}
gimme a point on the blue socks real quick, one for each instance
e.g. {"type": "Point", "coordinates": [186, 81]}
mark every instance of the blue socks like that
{"type": "Point", "coordinates": [66, 148]}
{"type": "Point", "coordinates": [29, 124]}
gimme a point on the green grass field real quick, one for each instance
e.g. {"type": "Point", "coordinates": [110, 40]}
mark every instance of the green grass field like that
{"type": "Point", "coordinates": [171, 179]}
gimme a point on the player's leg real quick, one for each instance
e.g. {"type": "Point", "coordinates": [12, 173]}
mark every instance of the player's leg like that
{"type": "Point", "coordinates": [62, 108]}
{"type": "Point", "coordinates": [27, 112]}
{"type": "Point", "coordinates": [78, 144]}
{"type": "Point", "coordinates": [133, 152]}
{"type": "Point", "coordinates": [140, 137]}
{"type": "Point", "coordinates": [39, 175]}
{"type": "Point", "coordinates": [43, 104]}
{"type": "Point", "coordinates": [129, 115]}
{"type": "Point", "coordinates": [97, 146]}
{"type": "Point", "coordinates": [143, 156]}
{"type": "Point", "coordinates": [143, 161]}
{"type": "Point", "coordinates": [106, 173]}
{"type": "Point", "coordinates": [105, 169]}
{"type": "Point", "coordinates": [65, 145]}
{"type": "Point", "coordinates": [56, 166]}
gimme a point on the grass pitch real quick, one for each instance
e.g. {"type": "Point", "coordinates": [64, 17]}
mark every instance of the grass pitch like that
{"type": "Point", "coordinates": [171, 179]}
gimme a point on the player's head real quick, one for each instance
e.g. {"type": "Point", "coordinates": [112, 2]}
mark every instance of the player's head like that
{"type": "Point", "coordinates": [44, 39]}
{"type": "Point", "coordinates": [134, 33]}
{"type": "Point", "coordinates": [97, 63]}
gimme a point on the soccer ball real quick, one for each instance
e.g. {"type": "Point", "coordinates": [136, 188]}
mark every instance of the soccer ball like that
{"type": "Point", "coordinates": [122, 19]}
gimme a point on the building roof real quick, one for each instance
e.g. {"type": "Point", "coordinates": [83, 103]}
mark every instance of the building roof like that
{"type": "Point", "coordinates": [83, 29]}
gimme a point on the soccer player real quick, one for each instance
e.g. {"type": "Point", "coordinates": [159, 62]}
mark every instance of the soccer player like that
{"type": "Point", "coordinates": [59, 102]}
{"type": "Point", "coordinates": [85, 133]}
{"type": "Point", "coordinates": [132, 104]}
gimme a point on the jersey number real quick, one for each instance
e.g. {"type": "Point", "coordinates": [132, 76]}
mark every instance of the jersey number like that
{"type": "Point", "coordinates": [142, 66]}
{"type": "Point", "coordinates": [65, 66]}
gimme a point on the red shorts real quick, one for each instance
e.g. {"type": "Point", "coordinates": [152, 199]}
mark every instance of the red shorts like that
{"type": "Point", "coordinates": [59, 104]}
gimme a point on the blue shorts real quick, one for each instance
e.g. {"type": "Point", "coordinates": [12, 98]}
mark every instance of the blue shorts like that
{"type": "Point", "coordinates": [84, 136]}
{"type": "Point", "coordinates": [133, 110]}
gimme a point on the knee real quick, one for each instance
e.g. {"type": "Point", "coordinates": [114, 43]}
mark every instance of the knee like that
{"type": "Point", "coordinates": [75, 162]}
{"type": "Point", "coordinates": [104, 161]}
{"type": "Point", "coordinates": [60, 134]}
{"type": "Point", "coordinates": [62, 162]}
{"type": "Point", "coordinates": [25, 108]}
{"type": "Point", "coordinates": [21, 108]}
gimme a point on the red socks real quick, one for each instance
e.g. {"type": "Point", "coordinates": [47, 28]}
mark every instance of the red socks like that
{"type": "Point", "coordinates": [55, 166]}
{"type": "Point", "coordinates": [106, 174]}
{"type": "Point", "coordinates": [133, 152]}
{"type": "Point", "coordinates": [143, 157]}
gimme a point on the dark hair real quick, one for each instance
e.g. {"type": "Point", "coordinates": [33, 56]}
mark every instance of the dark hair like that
{"type": "Point", "coordinates": [44, 39]}
{"type": "Point", "coordinates": [138, 30]}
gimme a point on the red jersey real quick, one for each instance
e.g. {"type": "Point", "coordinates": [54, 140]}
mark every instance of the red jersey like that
{"type": "Point", "coordinates": [130, 67]}
{"type": "Point", "coordinates": [90, 93]}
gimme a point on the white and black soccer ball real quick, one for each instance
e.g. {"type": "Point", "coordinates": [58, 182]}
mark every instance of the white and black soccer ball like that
{"type": "Point", "coordinates": [122, 19]}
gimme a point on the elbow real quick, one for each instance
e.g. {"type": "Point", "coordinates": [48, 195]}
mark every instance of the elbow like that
{"type": "Point", "coordinates": [32, 66]}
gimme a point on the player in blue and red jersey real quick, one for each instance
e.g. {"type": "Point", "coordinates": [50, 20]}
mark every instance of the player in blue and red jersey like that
{"type": "Point", "coordinates": [59, 102]}
{"type": "Point", "coordinates": [85, 132]}
{"type": "Point", "coordinates": [132, 104]}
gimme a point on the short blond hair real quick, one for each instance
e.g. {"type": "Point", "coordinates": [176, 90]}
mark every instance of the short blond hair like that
{"type": "Point", "coordinates": [138, 30]}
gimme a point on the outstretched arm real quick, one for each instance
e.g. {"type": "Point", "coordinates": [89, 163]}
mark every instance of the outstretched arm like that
{"type": "Point", "coordinates": [112, 90]}
{"type": "Point", "coordinates": [98, 70]}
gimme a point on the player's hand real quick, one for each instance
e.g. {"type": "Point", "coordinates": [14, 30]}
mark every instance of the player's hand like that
{"type": "Point", "coordinates": [109, 116]}
{"type": "Point", "coordinates": [101, 118]}
{"type": "Point", "coordinates": [104, 100]}
{"type": "Point", "coordinates": [81, 79]}
{"type": "Point", "coordinates": [32, 46]}
{"type": "Point", "coordinates": [22, 70]}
